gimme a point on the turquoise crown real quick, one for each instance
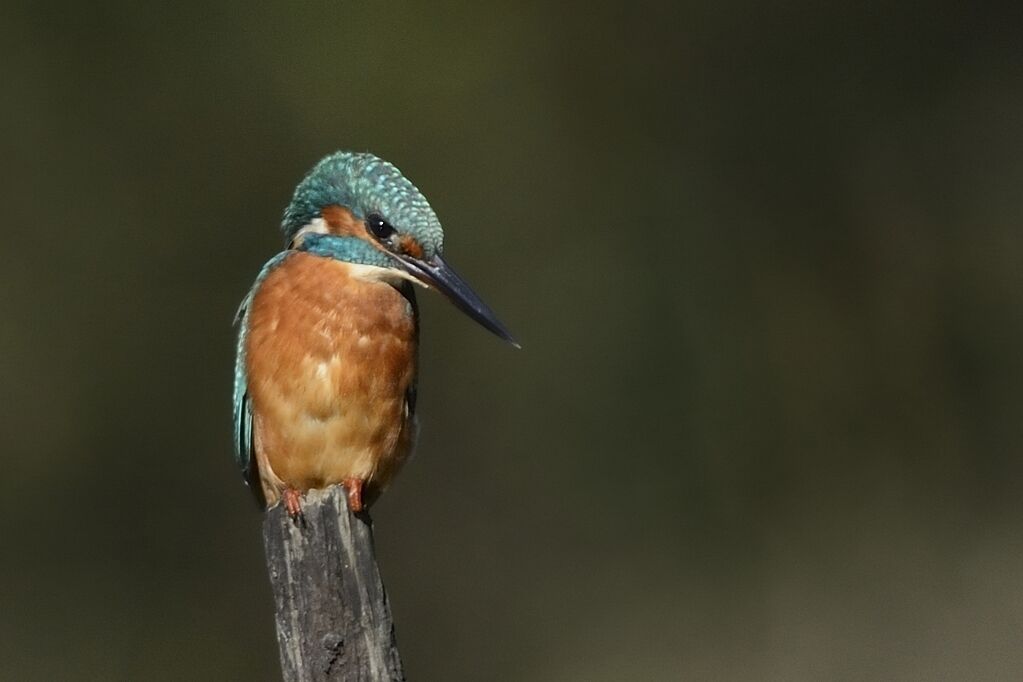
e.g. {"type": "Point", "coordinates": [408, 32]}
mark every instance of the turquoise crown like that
{"type": "Point", "coordinates": [364, 184]}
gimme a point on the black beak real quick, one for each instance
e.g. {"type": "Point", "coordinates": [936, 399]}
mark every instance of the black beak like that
{"type": "Point", "coordinates": [436, 273]}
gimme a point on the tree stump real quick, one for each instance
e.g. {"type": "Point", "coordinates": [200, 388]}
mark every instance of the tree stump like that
{"type": "Point", "coordinates": [333, 619]}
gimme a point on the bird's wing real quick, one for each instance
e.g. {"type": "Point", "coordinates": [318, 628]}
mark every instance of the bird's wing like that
{"type": "Point", "coordinates": [243, 445]}
{"type": "Point", "coordinates": [409, 292]}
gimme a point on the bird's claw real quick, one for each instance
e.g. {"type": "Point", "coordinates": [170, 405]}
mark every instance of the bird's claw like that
{"type": "Point", "coordinates": [293, 504]}
{"type": "Point", "coordinates": [354, 488]}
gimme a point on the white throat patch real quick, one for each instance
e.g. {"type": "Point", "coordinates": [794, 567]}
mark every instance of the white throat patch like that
{"type": "Point", "coordinates": [375, 273]}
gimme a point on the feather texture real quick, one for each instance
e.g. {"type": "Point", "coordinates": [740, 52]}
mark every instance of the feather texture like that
{"type": "Point", "coordinates": [243, 433]}
{"type": "Point", "coordinates": [326, 375]}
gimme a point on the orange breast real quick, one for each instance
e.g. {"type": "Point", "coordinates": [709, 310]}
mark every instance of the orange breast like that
{"type": "Point", "coordinates": [330, 358]}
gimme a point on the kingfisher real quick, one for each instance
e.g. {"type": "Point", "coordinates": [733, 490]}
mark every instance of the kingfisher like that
{"type": "Point", "coordinates": [327, 357]}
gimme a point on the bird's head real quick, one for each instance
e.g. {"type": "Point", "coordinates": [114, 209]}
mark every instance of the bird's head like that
{"type": "Point", "coordinates": [359, 208]}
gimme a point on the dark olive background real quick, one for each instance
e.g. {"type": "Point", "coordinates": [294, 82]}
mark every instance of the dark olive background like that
{"type": "Point", "coordinates": [766, 266]}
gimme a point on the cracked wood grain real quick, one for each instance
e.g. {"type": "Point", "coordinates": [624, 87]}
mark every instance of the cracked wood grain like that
{"type": "Point", "coordinates": [333, 619]}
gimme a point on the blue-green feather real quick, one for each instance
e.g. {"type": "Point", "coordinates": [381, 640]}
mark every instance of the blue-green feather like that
{"type": "Point", "coordinates": [242, 409]}
{"type": "Point", "coordinates": [347, 249]}
{"type": "Point", "coordinates": [364, 184]}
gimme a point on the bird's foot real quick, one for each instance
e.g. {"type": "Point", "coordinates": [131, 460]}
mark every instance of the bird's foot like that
{"type": "Point", "coordinates": [354, 488]}
{"type": "Point", "coordinates": [293, 503]}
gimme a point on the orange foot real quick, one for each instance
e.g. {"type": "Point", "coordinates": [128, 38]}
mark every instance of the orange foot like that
{"type": "Point", "coordinates": [293, 503]}
{"type": "Point", "coordinates": [354, 487]}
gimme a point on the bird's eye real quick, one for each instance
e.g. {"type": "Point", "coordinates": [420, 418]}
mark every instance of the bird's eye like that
{"type": "Point", "coordinates": [380, 228]}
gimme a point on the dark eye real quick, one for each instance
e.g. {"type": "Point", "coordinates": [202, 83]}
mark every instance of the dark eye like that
{"type": "Point", "coordinates": [380, 228]}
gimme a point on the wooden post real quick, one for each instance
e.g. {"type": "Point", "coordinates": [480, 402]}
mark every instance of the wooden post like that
{"type": "Point", "coordinates": [333, 619]}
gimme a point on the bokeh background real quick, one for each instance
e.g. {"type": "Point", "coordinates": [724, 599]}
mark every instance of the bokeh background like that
{"type": "Point", "coordinates": [765, 261]}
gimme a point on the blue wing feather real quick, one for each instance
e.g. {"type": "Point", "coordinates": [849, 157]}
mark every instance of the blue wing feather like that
{"type": "Point", "coordinates": [243, 447]}
{"type": "Point", "coordinates": [409, 292]}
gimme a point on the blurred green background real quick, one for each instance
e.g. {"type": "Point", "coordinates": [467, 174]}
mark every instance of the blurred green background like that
{"type": "Point", "coordinates": [765, 262]}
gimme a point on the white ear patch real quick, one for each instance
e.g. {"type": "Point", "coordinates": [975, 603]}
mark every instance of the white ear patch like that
{"type": "Point", "coordinates": [316, 225]}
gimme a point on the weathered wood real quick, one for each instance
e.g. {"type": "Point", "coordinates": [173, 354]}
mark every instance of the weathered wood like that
{"type": "Point", "coordinates": [333, 619]}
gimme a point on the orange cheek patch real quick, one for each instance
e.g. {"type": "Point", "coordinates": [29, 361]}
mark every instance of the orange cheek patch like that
{"type": "Point", "coordinates": [410, 246]}
{"type": "Point", "coordinates": [340, 221]}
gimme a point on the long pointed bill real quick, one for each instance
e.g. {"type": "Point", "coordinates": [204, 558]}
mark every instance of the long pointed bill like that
{"type": "Point", "coordinates": [436, 273]}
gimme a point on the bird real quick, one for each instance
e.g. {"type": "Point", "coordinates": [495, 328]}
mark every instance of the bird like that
{"type": "Point", "coordinates": [327, 351]}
